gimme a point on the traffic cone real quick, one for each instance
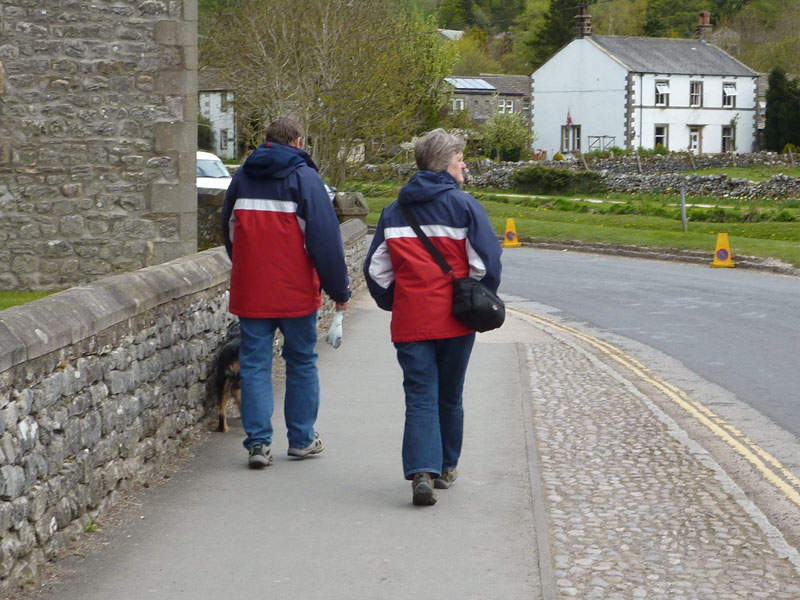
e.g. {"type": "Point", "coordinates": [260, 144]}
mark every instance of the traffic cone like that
{"type": "Point", "coordinates": [722, 255]}
{"type": "Point", "coordinates": [511, 240]}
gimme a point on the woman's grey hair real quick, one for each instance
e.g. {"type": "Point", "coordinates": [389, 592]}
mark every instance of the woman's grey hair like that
{"type": "Point", "coordinates": [434, 150]}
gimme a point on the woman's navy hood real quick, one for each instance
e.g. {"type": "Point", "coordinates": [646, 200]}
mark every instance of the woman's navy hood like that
{"type": "Point", "coordinates": [426, 185]}
{"type": "Point", "coordinates": [272, 160]}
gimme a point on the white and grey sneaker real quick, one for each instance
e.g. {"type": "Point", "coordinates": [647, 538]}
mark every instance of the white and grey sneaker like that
{"type": "Point", "coordinates": [315, 447]}
{"type": "Point", "coordinates": [260, 457]}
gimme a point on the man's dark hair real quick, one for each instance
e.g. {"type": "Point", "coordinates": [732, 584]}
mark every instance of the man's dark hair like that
{"type": "Point", "coordinates": [284, 130]}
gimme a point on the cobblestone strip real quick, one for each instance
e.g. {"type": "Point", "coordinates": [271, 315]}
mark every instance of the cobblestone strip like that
{"type": "Point", "coordinates": [636, 510]}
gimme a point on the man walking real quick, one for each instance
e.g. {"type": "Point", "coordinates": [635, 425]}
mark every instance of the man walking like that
{"type": "Point", "coordinates": [281, 232]}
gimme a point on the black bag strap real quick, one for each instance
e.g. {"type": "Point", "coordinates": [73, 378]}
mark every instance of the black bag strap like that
{"type": "Point", "coordinates": [437, 256]}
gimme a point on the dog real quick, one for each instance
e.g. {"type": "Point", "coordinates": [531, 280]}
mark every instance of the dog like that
{"type": "Point", "coordinates": [227, 381]}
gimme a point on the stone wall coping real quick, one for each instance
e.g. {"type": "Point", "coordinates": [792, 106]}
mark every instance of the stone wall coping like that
{"type": "Point", "coordinates": [352, 229]}
{"type": "Point", "coordinates": [67, 317]}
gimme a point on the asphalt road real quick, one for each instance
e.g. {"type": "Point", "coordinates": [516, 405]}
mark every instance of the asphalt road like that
{"type": "Point", "coordinates": [733, 327]}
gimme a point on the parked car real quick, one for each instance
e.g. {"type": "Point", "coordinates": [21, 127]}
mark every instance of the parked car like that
{"type": "Point", "coordinates": [211, 172]}
{"type": "Point", "coordinates": [331, 192]}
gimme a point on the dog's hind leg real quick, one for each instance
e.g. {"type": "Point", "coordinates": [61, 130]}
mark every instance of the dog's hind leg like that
{"type": "Point", "coordinates": [223, 402]}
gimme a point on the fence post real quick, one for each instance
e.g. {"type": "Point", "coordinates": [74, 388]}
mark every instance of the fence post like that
{"type": "Point", "coordinates": [683, 207]}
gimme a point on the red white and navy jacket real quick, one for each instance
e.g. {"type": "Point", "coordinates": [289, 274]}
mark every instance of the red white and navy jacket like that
{"type": "Point", "coordinates": [281, 232]}
{"type": "Point", "coordinates": [401, 274]}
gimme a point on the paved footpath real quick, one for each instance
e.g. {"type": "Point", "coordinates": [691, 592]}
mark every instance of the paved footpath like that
{"type": "Point", "coordinates": [572, 484]}
{"type": "Point", "coordinates": [340, 525]}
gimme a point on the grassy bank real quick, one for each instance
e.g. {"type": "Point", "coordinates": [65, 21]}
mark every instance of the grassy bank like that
{"type": "Point", "coordinates": [763, 228]}
{"type": "Point", "coordinates": [9, 299]}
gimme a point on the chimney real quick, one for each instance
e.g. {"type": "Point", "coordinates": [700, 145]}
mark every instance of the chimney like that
{"type": "Point", "coordinates": [583, 22]}
{"type": "Point", "coordinates": [703, 27]}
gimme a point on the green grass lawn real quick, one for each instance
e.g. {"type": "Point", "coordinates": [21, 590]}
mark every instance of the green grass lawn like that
{"type": "Point", "coordinates": [751, 172]}
{"type": "Point", "coordinates": [646, 220]}
{"type": "Point", "coordinates": [9, 299]}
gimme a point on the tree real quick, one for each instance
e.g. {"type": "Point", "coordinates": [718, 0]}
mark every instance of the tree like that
{"type": "Point", "coordinates": [783, 111]}
{"type": "Point", "coordinates": [354, 71]}
{"type": "Point", "coordinates": [505, 136]}
{"type": "Point", "coordinates": [557, 30]}
{"type": "Point", "coordinates": [473, 54]}
{"type": "Point", "coordinates": [766, 32]}
{"type": "Point", "coordinates": [619, 17]}
{"type": "Point", "coordinates": [452, 14]}
{"type": "Point", "coordinates": [673, 18]}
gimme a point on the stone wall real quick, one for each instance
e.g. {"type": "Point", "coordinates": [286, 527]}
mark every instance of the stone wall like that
{"type": "Point", "coordinates": [100, 386]}
{"type": "Point", "coordinates": [629, 174]}
{"type": "Point", "coordinates": [659, 173]}
{"type": "Point", "coordinates": [98, 132]}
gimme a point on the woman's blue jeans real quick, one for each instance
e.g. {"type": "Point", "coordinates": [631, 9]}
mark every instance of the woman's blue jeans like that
{"type": "Point", "coordinates": [301, 400]}
{"type": "Point", "coordinates": [433, 380]}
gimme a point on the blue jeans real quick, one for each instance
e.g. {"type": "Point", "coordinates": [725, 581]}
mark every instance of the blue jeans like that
{"type": "Point", "coordinates": [301, 400]}
{"type": "Point", "coordinates": [433, 380]}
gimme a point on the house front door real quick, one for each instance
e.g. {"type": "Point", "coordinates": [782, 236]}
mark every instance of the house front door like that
{"type": "Point", "coordinates": [695, 140]}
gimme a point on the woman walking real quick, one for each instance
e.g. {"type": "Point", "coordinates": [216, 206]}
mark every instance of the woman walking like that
{"type": "Point", "coordinates": [433, 348]}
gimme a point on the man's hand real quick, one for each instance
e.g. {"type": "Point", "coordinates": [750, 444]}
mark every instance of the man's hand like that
{"type": "Point", "coordinates": [342, 305]}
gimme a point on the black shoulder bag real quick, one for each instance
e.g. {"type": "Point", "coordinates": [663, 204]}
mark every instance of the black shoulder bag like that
{"type": "Point", "coordinates": [474, 305]}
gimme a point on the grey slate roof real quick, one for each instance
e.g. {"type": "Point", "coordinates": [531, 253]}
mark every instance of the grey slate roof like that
{"type": "Point", "coordinates": [512, 85]}
{"type": "Point", "coordinates": [671, 56]}
{"type": "Point", "coordinates": [209, 80]}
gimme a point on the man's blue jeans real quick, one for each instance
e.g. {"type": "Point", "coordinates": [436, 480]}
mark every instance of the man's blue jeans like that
{"type": "Point", "coordinates": [301, 400]}
{"type": "Point", "coordinates": [433, 380]}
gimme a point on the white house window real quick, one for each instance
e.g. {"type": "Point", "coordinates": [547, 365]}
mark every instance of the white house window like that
{"type": "Point", "coordinates": [662, 93]}
{"type": "Point", "coordinates": [662, 136]}
{"type": "Point", "coordinates": [223, 139]}
{"type": "Point", "coordinates": [728, 139]}
{"type": "Point", "coordinates": [570, 138]}
{"type": "Point", "coordinates": [729, 95]}
{"type": "Point", "coordinates": [458, 104]}
{"type": "Point", "coordinates": [696, 93]}
{"type": "Point", "coordinates": [505, 106]}
{"type": "Point", "coordinates": [224, 102]}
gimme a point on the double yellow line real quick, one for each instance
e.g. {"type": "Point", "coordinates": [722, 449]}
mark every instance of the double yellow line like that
{"type": "Point", "coordinates": [772, 470]}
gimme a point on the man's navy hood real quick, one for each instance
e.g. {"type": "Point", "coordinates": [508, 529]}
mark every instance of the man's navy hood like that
{"type": "Point", "coordinates": [276, 161]}
{"type": "Point", "coordinates": [425, 186]}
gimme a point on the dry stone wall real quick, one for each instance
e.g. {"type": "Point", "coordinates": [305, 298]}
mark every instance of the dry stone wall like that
{"type": "Point", "coordinates": [101, 385]}
{"type": "Point", "coordinates": [629, 174]}
{"type": "Point", "coordinates": [98, 105]}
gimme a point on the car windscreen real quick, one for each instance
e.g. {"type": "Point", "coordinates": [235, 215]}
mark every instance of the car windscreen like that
{"type": "Point", "coordinates": [211, 168]}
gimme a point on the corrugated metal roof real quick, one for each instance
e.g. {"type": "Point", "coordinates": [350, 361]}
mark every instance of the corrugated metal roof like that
{"type": "Point", "coordinates": [671, 56]}
{"type": "Point", "coordinates": [468, 83]}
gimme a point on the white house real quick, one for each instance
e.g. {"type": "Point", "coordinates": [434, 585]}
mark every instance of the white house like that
{"type": "Point", "coordinates": [631, 92]}
{"type": "Point", "coordinates": [216, 97]}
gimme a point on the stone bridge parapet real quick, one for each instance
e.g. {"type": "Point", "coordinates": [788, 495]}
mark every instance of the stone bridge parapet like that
{"type": "Point", "coordinates": [100, 386]}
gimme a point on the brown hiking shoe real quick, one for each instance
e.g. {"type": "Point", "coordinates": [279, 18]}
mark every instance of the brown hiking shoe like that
{"type": "Point", "coordinates": [446, 479]}
{"type": "Point", "coordinates": [422, 487]}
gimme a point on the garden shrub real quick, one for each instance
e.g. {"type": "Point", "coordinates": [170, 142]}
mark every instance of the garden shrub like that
{"type": "Point", "coordinates": [552, 180]}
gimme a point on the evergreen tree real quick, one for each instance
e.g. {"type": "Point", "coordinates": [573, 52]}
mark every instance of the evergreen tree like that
{"type": "Point", "coordinates": [673, 18]}
{"type": "Point", "coordinates": [783, 112]}
{"type": "Point", "coordinates": [452, 14]}
{"type": "Point", "coordinates": [557, 30]}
